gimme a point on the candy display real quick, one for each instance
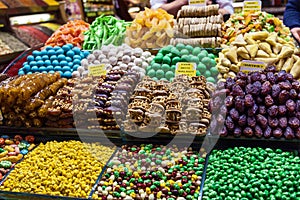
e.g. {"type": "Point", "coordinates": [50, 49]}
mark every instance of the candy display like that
{"type": "Point", "coordinates": [152, 172]}
{"type": "Point", "coordinates": [198, 26]}
{"type": "Point", "coordinates": [31, 36]}
{"type": "Point", "coordinates": [177, 107]}
{"type": "Point", "coordinates": [263, 47]}
{"type": "Point", "coordinates": [262, 104]}
{"type": "Point", "coordinates": [117, 58]}
{"type": "Point", "coordinates": [252, 173]}
{"type": "Point", "coordinates": [163, 66]}
{"type": "Point", "coordinates": [150, 29]}
{"type": "Point", "coordinates": [65, 60]}
{"type": "Point", "coordinates": [22, 97]}
{"type": "Point", "coordinates": [10, 44]}
{"type": "Point", "coordinates": [12, 150]}
{"type": "Point", "coordinates": [105, 30]}
{"type": "Point", "coordinates": [66, 168]}
{"type": "Point", "coordinates": [241, 23]}
{"type": "Point", "coordinates": [103, 105]}
{"type": "Point", "coordinates": [70, 33]}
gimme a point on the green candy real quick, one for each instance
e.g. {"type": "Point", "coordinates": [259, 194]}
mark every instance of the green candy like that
{"type": "Point", "coordinates": [175, 60]}
{"type": "Point", "coordinates": [2, 150]}
{"type": "Point", "coordinates": [180, 46]}
{"type": "Point", "coordinates": [169, 75]}
{"type": "Point", "coordinates": [196, 51]}
{"type": "Point", "coordinates": [151, 73]}
{"type": "Point", "coordinates": [5, 164]}
{"type": "Point", "coordinates": [152, 187]}
{"type": "Point", "coordinates": [166, 67]}
{"type": "Point", "coordinates": [166, 60]}
{"type": "Point", "coordinates": [184, 52]}
{"type": "Point", "coordinates": [160, 74]}
{"type": "Point", "coordinates": [201, 67]}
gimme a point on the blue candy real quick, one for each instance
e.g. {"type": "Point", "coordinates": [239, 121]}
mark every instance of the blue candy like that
{"type": "Point", "coordinates": [36, 53]}
{"type": "Point", "coordinates": [61, 57]}
{"type": "Point", "coordinates": [37, 58]}
{"type": "Point", "coordinates": [48, 48]}
{"type": "Point", "coordinates": [32, 63]}
{"type": "Point", "coordinates": [66, 68]}
{"type": "Point", "coordinates": [70, 45]}
{"type": "Point", "coordinates": [24, 151]}
{"type": "Point", "coordinates": [66, 48]}
{"type": "Point", "coordinates": [45, 57]}
{"type": "Point", "coordinates": [75, 67]}
{"type": "Point", "coordinates": [67, 74]}
{"type": "Point", "coordinates": [86, 53]}
{"type": "Point", "coordinates": [41, 69]}
{"type": "Point", "coordinates": [50, 68]}
{"type": "Point", "coordinates": [34, 68]}
{"type": "Point", "coordinates": [26, 68]}
{"type": "Point", "coordinates": [51, 72]}
{"type": "Point", "coordinates": [25, 63]}
{"type": "Point", "coordinates": [51, 52]}
{"type": "Point", "coordinates": [30, 58]}
{"type": "Point", "coordinates": [5, 136]}
{"type": "Point", "coordinates": [44, 52]}
{"type": "Point", "coordinates": [68, 59]}
{"type": "Point", "coordinates": [70, 64]}
{"type": "Point", "coordinates": [56, 48]}
{"type": "Point", "coordinates": [21, 72]}
{"type": "Point", "coordinates": [47, 62]}
{"type": "Point", "coordinates": [77, 57]}
{"type": "Point", "coordinates": [77, 61]}
{"type": "Point", "coordinates": [76, 50]}
{"type": "Point", "coordinates": [61, 73]}
{"type": "Point", "coordinates": [40, 63]}
{"type": "Point", "coordinates": [70, 53]}
{"type": "Point", "coordinates": [59, 51]}
{"type": "Point", "coordinates": [55, 63]}
{"type": "Point", "coordinates": [63, 63]}
{"type": "Point", "coordinates": [44, 72]}
{"type": "Point", "coordinates": [57, 68]}
{"type": "Point", "coordinates": [29, 72]}
{"type": "Point", "coordinates": [53, 57]}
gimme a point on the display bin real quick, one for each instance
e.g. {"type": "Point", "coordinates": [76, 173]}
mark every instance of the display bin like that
{"type": "Point", "coordinates": [40, 138]}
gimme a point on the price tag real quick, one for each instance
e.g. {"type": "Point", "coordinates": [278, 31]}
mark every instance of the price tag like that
{"type": "Point", "coordinates": [197, 2]}
{"type": "Point", "coordinates": [186, 68]}
{"type": "Point", "coordinates": [252, 6]}
{"type": "Point", "coordinates": [97, 70]}
{"type": "Point", "coordinates": [251, 66]}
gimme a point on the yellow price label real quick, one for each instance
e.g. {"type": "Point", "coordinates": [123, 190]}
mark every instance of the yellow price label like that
{"type": "Point", "coordinates": [252, 6]}
{"type": "Point", "coordinates": [97, 70]}
{"type": "Point", "coordinates": [186, 68]}
{"type": "Point", "coordinates": [251, 66]}
{"type": "Point", "coordinates": [197, 2]}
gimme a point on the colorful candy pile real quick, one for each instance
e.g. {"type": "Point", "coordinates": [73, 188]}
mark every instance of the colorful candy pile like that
{"type": "Point", "coordinates": [64, 60]}
{"type": "Point", "coordinates": [152, 172]}
{"type": "Point", "coordinates": [12, 150]}
{"type": "Point", "coordinates": [252, 173]}
{"type": "Point", "coordinates": [150, 29]}
{"type": "Point", "coordinates": [70, 33]}
{"type": "Point", "coordinates": [59, 168]}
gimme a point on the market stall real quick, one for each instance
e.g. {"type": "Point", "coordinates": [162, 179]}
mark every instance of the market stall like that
{"type": "Point", "coordinates": [157, 108]}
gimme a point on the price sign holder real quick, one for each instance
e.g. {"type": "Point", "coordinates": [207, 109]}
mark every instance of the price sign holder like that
{"type": "Point", "coordinates": [251, 66]}
{"type": "Point", "coordinates": [97, 70]}
{"type": "Point", "coordinates": [197, 3]}
{"type": "Point", "coordinates": [186, 68]}
{"type": "Point", "coordinates": [252, 6]}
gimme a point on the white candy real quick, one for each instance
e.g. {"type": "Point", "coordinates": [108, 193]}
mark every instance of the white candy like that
{"type": "Point", "coordinates": [75, 74]}
{"type": "Point", "coordinates": [138, 61]}
{"type": "Point", "coordinates": [110, 197]}
{"type": "Point", "coordinates": [112, 53]}
{"type": "Point", "coordinates": [108, 67]}
{"type": "Point", "coordinates": [138, 52]}
{"type": "Point", "coordinates": [101, 57]}
{"type": "Point", "coordinates": [151, 197]}
{"type": "Point", "coordinates": [97, 62]}
{"type": "Point", "coordinates": [123, 66]}
{"type": "Point", "coordinates": [133, 58]}
{"type": "Point", "coordinates": [135, 68]}
{"type": "Point", "coordinates": [143, 196]}
{"type": "Point", "coordinates": [116, 68]}
{"type": "Point", "coordinates": [123, 194]}
{"type": "Point", "coordinates": [105, 61]}
{"type": "Point", "coordinates": [145, 65]}
{"type": "Point", "coordinates": [105, 50]}
{"type": "Point", "coordinates": [85, 74]}
{"type": "Point", "coordinates": [131, 64]}
{"type": "Point", "coordinates": [91, 58]}
{"type": "Point", "coordinates": [146, 54]}
{"type": "Point", "coordinates": [112, 177]}
{"type": "Point", "coordinates": [149, 59]}
{"type": "Point", "coordinates": [113, 60]}
{"type": "Point", "coordinates": [84, 62]}
{"type": "Point", "coordinates": [127, 52]}
{"type": "Point", "coordinates": [80, 69]}
{"type": "Point", "coordinates": [126, 59]}
{"type": "Point", "coordinates": [97, 53]}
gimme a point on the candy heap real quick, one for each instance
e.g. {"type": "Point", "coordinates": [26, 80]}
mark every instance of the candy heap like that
{"type": "Point", "coordinates": [66, 168]}
{"type": "Point", "coordinates": [262, 104]}
{"type": "Point", "coordinates": [116, 58]}
{"type": "Point", "coordinates": [103, 104]}
{"type": "Point", "coordinates": [163, 66]}
{"type": "Point", "coordinates": [65, 60]}
{"type": "Point", "coordinates": [202, 26]}
{"type": "Point", "coordinates": [150, 29]}
{"type": "Point", "coordinates": [152, 172]}
{"type": "Point", "coordinates": [70, 33]}
{"type": "Point", "coordinates": [250, 173]}
{"type": "Point", "coordinates": [242, 23]}
{"type": "Point", "coordinates": [12, 150]}
{"type": "Point", "coordinates": [177, 107]}
{"type": "Point", "coordinates": [259, 46]}
{"type": "Point", "coordinates": [104, 30]}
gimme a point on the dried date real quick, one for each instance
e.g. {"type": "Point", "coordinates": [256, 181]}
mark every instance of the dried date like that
{"type": "Point", "coordinates": [253, 110]}
{"type": "Point", "coordinates": [248, 132]}
{"type": "Point", "coordinates": [258, 131]}
{"type": "Point", "coordinates": [242, 121]}
{"type": "Point", "coordinates": [237, 91]}
{"type": "Point", "coordinates": [273, 122]}
{"type": "Point", "coordinates": [282, 122]}
{"type": "Point", "coordinates": [282, 110]}
{"type": "Point", "coordinates": [277, 133]}
{"type": "Point", "coordinates": [240, 104]}
{"type": "Point", "coordinates": [269, 101]}
{"type": "Point", "coordinates": [294, 122]}
{"type": "Point", "coordinates": [273, 111]}
{"type": "Point", "coordinates": [229, 123]}
{"type": "Point", "coordinates": [249, 101]}
{"type": "Point", "coordinates": [262, 110]}
{"type": "Point", "coordinates": [289, 133]}
{"type": "Point", "coordinates": [251, 121]}
{"type": "Point", "coordinates": [275, 90]}
{"type": "Point", "coordinates": [268, 132]}
{"type": "Point", "coordinates": [234, 114]}
{"type": "Point", "coordinates": [266, 88]}
{"type": "Point", "coordinates": [283, 96]}
{"type": "Point", "coordinates": [262, 120]}
{"type": "Point", "coordinates": [237, 132]}
{"type": "Point", "coordinates": [229, 101]}
{"type": "Point", "coordinates": [290, 105]}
